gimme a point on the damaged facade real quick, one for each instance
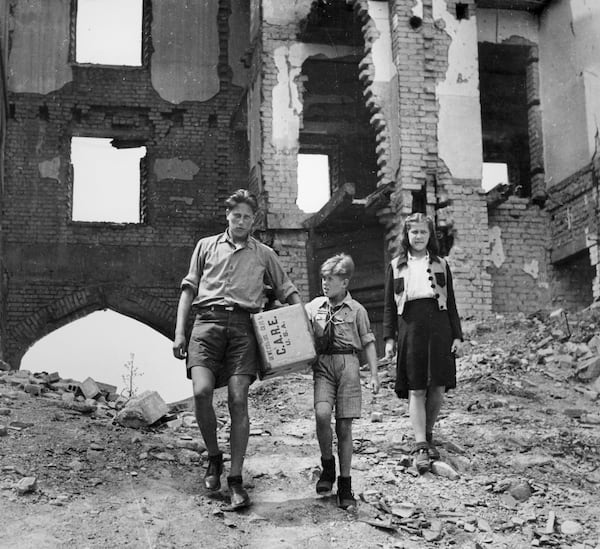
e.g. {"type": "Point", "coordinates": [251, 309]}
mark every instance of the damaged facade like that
{"type": "Point", "coordinates": [406, 98]}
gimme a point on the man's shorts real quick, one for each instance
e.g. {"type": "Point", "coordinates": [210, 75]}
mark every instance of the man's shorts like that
{"type": "Point", "coordinates": [224, 342]}
{"type": "Point", "coordinates": [337, 382]}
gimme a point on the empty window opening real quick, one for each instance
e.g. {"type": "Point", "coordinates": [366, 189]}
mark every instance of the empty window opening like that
{"type": "Point", "coordinates": [494, 174]}
{"type": "Point", "coordinates": [109, 32]}
{"type": "Point", "coordinates": [106, 181]}
{"type": "Point", "coordinates": [462, 11]}
{"type": "Point", "coordinates": [419, 200]}
{"type": "Point", "coordinates": [314, 187]}
{"type": "Point", "coordinates": [107, 340]}
{"type": "Point", "coordinates": [504, 111]}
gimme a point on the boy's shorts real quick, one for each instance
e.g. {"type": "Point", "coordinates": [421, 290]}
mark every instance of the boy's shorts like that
{"type": "Point", "coordinates": [337, 382]}
{"type": "Point", "coordinates": [224, 342]}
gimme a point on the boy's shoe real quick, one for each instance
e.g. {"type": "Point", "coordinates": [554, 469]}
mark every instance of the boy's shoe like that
{"type": "Point", "coordinates": [421, 458]}
{"type": "Point", "coordinates": [327, 478]}
{"type": "Point", "coordinates": [239, 497]}
{"type": "Point", "coordinates": [345, 497]}
{"type": "Point", "coordinates": [212, 478]}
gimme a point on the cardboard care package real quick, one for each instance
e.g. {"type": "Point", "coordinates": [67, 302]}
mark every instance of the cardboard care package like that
{"type": "Point", "coordinates": [285, 341]}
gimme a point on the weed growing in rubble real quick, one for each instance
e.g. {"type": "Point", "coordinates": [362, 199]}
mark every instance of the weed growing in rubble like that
{"type": "Point", "coordinates": [131, 372]}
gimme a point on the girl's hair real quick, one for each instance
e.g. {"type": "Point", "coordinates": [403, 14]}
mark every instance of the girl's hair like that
{"type": "Point", "coordinates": [340, 265]}
{"type": "Point", "coordinates": [432, 245]}
{"type": "Point", "coordinates": [242, 196]}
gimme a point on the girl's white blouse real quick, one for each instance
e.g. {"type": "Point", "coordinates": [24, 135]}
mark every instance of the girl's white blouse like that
{"type": "Point", "coordinates": [418, 285]}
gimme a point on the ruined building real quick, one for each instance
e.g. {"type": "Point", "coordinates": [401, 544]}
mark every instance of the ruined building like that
{"type": "Point", "coordinates": [407, 100]}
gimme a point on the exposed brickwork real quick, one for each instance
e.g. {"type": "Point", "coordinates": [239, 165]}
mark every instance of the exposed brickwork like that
{"type": "Point", "coordinates": [573, 205]}
{"type": "Point", "coordinates": [571, 283]}
{"type": "Point", "coordinates": [55, 270]}
{"type": "Point", "coordinates": [469, 256]}
{"type": "Point", "coordinates": [534, 122]}
{"type": "Point", "coordinates": [522, 281]}
{"type": "Point", "coordinates": [374, 103]}
{"type": "Point", "coordinates": [58, 270]}
{"type": "Point", "coordinates": [421, 58]}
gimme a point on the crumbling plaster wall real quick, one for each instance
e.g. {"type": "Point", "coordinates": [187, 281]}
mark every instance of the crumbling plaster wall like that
{"type": "Point", "coordinates": [185, 37]}
{"type": "Point", "coordinates": [282, 106]}
{"type": "Point", "coordinates": [570, 76]}
{"type": "Point", "coordinates": [523, 235]}
{"type": "Point", "coordinates": [570, 81]}
{"type": "Point", "coordinates": [460, 158]}
{"type": "Point", "coordinates": [58, 270]}
{"type": "Point", "coordinates": [39, 55]}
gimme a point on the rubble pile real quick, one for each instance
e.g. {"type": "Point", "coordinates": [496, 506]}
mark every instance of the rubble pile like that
{"type": "Point", "coordinates": [518, 438]}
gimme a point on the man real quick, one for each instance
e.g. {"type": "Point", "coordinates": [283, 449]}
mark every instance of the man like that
{"type": "Point", "coordinates": [225, 284]}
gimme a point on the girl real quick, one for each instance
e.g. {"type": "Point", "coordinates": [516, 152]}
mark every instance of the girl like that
{"type": "Point", "coordinates": [420, 310]}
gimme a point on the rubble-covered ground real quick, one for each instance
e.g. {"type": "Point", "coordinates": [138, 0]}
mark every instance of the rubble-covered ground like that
{"type": "Point", "coordinates": [520, 444]}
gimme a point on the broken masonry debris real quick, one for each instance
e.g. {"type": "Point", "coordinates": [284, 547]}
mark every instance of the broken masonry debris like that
{"type": "Point", "coordinates": [142, 411]}
{"type": "Point", "coordinates": [89, 388]}
{"type": "Point", "coordinates": [443, 469]}
{"type": "Point", "coordinates": [589, 370]}
{"type": "Point", "coordinates": [26, 485]}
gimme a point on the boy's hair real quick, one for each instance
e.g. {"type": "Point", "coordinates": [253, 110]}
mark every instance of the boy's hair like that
{"type": "Point", "coordinates": [340, 265]}
{"type": "Point", "coordinates": [242, 196]}
{"type": "Point", "coordinates": [432, 245]}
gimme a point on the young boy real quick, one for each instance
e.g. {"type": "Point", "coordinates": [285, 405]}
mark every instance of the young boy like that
{"type": "Point", "coordinates": [342, 329]}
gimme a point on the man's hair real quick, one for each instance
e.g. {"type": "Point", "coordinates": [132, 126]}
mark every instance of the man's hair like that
{"type": "Point", "coordinates": [340, 265]}
{"type": "Point", "coordinates": [432, 245]}
{"type": "Point", "coordinates": [242, 196]}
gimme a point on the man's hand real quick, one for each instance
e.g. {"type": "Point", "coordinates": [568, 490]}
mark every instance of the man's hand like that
{"type": "Point", "coordinates": [179, 347]}
{"type": "Point", "coordinates": [374, 383]}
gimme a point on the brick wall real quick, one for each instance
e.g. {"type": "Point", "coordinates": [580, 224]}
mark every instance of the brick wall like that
{"type": "Point", "coordinates": [519, 249]}
{"type": "Point", "coordinates": [420, 49]}
{"type": "Point", "coordinates": [59, 270]}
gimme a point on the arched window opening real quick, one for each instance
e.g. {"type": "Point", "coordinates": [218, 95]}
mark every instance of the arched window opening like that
{"type": "Point", "coordinates": [101, 345]}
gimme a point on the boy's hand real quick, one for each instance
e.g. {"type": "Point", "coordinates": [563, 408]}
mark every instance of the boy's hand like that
{"type": "Point", "coordinates": [179, 347]}
{"type": "Point", "coordinates": [374, 383]}
{"type": "Point", "coordinates": [389, 349]}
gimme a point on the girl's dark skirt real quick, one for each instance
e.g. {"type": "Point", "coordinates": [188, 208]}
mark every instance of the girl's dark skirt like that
{"type": "Point", "coordinates": [424, 342]}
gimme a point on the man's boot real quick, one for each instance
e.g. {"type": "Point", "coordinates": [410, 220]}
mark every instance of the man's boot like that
{"type": "Point", "coordinates": [327, 478]}
{"type": "Point", "coordinates": [212, 478]}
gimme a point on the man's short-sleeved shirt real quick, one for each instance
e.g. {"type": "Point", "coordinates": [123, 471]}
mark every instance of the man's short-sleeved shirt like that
{"type": "Point", "coordinates": [223, 273]}
{"type": "Point", "coordinates": [352, 328]}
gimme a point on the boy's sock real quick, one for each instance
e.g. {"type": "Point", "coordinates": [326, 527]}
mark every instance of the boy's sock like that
{"type": "Point", "coordinates": [345, 497]}
{"type": "Point", "coordinates": [327, 478]}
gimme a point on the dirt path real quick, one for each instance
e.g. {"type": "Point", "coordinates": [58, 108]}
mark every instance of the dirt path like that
{"type": "Point", "coordinates": [520, 432]}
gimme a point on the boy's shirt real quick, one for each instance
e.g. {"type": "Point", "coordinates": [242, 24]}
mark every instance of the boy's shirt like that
{"type": "Point", "coordinates": [222, 273]}
{"type": "Point", "coordinates": [348, 320]}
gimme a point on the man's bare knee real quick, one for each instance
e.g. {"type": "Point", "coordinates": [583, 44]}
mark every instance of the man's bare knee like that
{"type": "Point", "coordinates": [323, 412]}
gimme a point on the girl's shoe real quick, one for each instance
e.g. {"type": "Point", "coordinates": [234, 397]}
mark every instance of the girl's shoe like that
{"type": "Point", "coordinates": [434, 453]}
{"type": "Point", "coordinates": [421, 458]}
{"type": "Point", "coordinates": [327, 478]}
{"type": "Point", "coordinates": [345, 496]}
